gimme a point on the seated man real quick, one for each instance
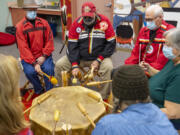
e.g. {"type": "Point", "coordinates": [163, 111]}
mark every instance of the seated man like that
{"type": "Point", "coordinates": [35, 43]}
{"type": "Point", "coordinates": [138, 116]}
{"type": "Point", "coordinates": [91, 43]}
{"type": "Point", "coordinates": [150, 40]}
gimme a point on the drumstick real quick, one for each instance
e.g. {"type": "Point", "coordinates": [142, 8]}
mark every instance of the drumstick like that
{"type": "Point", "coordinates": [97, 83]}
{"type": "Point", "coordinates": [92, 95]}
{"type": "Point", "coordinates": [56, 119]}
{"type": "Point", "coordinates": [67, 130]}
{"type": "Point", "coordinates": [39, 101]}
{"type": "Point", "coordinates": [84, 112]}
{"type": "Point", "coordinates": [160, 46]}
{"type": "Point", "coordinates": [51, 78]}
{"type": "Point", "coordinates": [91, 75]}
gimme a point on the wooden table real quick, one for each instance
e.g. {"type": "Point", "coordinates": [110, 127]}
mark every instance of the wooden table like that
{"type": "Point", "coordinates": [18, 13]}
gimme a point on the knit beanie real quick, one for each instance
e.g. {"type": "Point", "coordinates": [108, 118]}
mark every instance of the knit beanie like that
{"type": "Point", "coordinates": [130, 83]}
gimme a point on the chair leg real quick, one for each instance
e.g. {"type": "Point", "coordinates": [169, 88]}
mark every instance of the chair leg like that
{"type": "Point", "coordinates": [31, 93]}
{"type": "Point", "coordinates": [25, 85]}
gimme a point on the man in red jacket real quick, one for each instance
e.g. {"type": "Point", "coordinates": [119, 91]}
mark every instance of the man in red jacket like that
{"type": "Point", "coordinates": [148, 47]}
{"type": "Point", "coordinates": [35, 43]}
{"type": "Point", "coordinates": [91, 43]}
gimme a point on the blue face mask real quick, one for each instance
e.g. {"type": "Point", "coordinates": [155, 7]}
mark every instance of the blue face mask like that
{"type": "Point", "coordinates": [151, 25]}
{"type": "Point", "coordinates": [168, 52]}
{"type": "Point", "coordinates": [31, 15]}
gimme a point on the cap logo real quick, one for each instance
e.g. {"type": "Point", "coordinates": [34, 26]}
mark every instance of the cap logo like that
{"type": "Point", "coordinates": [87, 9]}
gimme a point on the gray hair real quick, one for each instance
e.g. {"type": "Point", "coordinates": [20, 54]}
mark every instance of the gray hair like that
{"type": "Point", "coordinates": [156, 8]}
{"type": "Point", "coordinates": [174, 37]}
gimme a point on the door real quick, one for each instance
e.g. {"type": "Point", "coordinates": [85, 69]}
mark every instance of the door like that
{"type": "Point", "coordinates": [104, 7]}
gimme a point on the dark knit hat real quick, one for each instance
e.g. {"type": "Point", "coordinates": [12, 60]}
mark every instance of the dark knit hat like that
{"type": "Point", "coordinates": [130, 83]}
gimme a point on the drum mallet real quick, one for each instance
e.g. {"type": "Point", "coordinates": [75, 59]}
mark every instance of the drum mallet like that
{"type": "Point", "coordinates": [91, 75]}
{"type": "Point", "coordinates": [56, 119]}
{"type": "Point", "coordinates": [79, 76]}
{"type": "Point", "coordinates": [52, 79]}
{"type": "Point", "coordinates": [84, 112]}
{"type": "Point", "coordinates": [39, 101]}
{"type": "Point", "coordinates": [92, 95]}
{"type": "Point", "coordinates": [98, 83]}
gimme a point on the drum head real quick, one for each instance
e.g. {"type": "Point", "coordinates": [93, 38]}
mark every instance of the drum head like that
{"type": "Point", "coordinates": [65, 100]}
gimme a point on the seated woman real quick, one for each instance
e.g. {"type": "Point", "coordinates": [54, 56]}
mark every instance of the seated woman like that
{"type": "Point", "coordinates": [12, 120]}
{"type": "Point", "coordinates": [138, 116]}
{"type": "Point", "coordinates": [165, 85]}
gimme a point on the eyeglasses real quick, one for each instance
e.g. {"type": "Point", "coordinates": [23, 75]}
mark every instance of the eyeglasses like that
{"type": "Point", "coordinates": [150, 19]}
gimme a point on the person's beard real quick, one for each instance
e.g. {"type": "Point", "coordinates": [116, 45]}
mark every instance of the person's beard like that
{"type": "Point", "coordinates": [88, 26]}
{"type": "Point", "coordinates": [89, 22]}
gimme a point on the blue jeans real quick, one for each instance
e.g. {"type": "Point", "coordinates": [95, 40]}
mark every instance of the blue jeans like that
{"type": "Point", "coordinates": [32, 75]}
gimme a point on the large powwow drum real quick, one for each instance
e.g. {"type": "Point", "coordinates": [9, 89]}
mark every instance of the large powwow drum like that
{"type": "Point", "coordinates": [71, 121]}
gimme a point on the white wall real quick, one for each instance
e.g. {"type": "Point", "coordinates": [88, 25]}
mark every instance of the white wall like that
{"type": "Point", "coordinates": [4, 15]}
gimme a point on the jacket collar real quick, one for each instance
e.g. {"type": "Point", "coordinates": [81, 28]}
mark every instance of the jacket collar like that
{"type": "Point", "coordinates": [27, 23]}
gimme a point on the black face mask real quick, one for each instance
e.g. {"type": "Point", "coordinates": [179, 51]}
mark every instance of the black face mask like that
{"type": "Point", "coordinates": [89, 21]}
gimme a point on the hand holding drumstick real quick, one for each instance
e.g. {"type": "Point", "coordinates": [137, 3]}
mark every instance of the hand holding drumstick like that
{"type": "Point", "coordinates": [51, 78]}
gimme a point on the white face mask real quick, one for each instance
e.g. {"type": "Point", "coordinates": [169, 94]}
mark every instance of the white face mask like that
{"type": "Point", "coordinates": [31, 15]}
{"type": "Point", "coordinates": [167, 51]}
{"type": "Point", "coordinates": [151, 25]}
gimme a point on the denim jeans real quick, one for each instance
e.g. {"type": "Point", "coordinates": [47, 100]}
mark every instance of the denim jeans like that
{"type": "Point", "coordinates": [32, 75]}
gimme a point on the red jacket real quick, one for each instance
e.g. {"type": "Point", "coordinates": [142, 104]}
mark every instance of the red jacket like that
{"type": "Point", "coordinates": [34, 41]}
{"type": "Point", "coordinates": [154, 56]}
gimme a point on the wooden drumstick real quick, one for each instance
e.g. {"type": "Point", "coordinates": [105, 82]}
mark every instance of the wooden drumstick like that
{"type": "Point", "coordinates": [84, 112]}
{"type": "Point", "coordinates": [56, 115]}
{"type": "Point", "coordinates": [92, 95]}
{"type": "Point", "coordinates": [39, 101]}
{"type": "Point", "coordinates": [97, 83]}
{"type": "Point", "coordinates": [67, 130]}
{"type": "Point", "coordinates": [91, 75]}
{"type": "Point", "coordinates": [51, 78]}
{"type": "Point", "coordinates": [56, 119]}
